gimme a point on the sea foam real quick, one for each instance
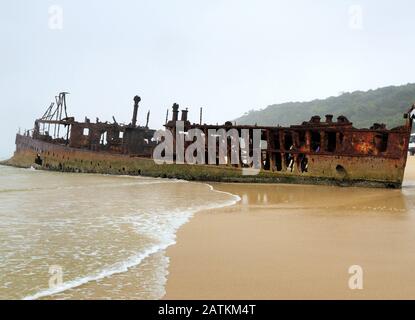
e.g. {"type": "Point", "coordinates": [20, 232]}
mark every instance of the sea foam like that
{"type": "Point", "coordinates": [165, 233]}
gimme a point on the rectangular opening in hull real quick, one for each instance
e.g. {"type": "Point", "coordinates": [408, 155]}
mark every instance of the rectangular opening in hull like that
{"type": "Point", "coordinates": [331, 141]}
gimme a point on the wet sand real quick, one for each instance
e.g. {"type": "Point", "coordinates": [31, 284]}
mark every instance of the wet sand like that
{"type": "Point", "coordinates": [298, 242]}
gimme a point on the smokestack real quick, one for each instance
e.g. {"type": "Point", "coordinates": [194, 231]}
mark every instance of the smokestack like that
{"type": "Point", "coordinates": [175, 112]}
{"type": "Point", "coordinates": [201, 115]}
{"type": "Point", "coordinates": [329, 118]}
{"type": "Point", "coordinates": [137, 99]}
{"type": "Point", "coordinates": [148, 118]}
{"type": "Point", "coordinates": [184, 114]}
{"type": "Point", "coordinates": [315, 119]}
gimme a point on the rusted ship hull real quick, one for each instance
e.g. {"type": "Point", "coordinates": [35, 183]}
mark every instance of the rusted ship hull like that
{"type": "Point", "coordinates": [363, 172]}
{"type": "Point", "coordinates": [317, 151]}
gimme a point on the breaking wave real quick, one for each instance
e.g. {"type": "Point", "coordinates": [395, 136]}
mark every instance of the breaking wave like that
{"type": "Point", "coordinates": [166, 234]}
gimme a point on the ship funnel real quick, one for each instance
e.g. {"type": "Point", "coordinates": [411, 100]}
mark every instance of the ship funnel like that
{"type": "Point", "coordinates": [184, 114]}
{"type": "Point", "coordinates": [137, 99]}
{"type": "Point", "coordinates": [329, 118]}
{"type": "Point", "coordinates": [175, 112]}
{"type": "Point", "coordinates": [315, 119]}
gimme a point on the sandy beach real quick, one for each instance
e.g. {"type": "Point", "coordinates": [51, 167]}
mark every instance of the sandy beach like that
{"type": "Point", "coordinates": [298, 242]}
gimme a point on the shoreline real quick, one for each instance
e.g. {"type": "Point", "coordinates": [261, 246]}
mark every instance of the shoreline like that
{"type": "Point", "coordinates": [128, 269]}
{"type": "Point", "coordinates": [268, 244]}
{"type": "Point", "coordinates": [296, 242]}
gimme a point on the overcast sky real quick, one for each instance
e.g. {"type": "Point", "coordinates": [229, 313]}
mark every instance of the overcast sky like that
{"type": "Point", "coordinates": [227, 56]}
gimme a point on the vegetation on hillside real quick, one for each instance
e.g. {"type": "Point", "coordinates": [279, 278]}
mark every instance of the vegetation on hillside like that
{"type": "Point", "coordinates": [383, 105]}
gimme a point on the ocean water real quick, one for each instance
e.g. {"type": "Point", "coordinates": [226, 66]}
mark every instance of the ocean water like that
{"type": "Point", "coordinates": [85, 236]}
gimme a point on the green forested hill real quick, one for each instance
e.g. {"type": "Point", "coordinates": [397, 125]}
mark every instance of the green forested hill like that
{"type": "Point", "coordinates": [384, 105]}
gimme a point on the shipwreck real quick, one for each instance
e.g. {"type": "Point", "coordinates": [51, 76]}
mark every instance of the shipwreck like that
{"type": "Point", "coordinates": [318, 151]}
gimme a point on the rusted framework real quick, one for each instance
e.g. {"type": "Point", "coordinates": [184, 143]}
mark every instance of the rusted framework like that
{"type": "Point", "coordinates": [316, 151]}
{"type": "Point", "coordinates": [56, 127]}
{"type": "Point", "coordinates": [299, 148]}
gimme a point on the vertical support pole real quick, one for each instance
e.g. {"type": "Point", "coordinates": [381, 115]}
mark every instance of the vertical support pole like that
{"type": "Point", "coordinates": [56, 117]}
{"type": "Point", "coordinates": [59, 114]}
{"type": "Point", "coordinates": [148, 118]}
{"type": "Point", "coordinates": [323, 146]}
{"type": "Point", "coordinates": [282, 140]}
{"type": "Point", "coordinates": [206, 150]}
{"type": "Point", "coordinates": [308, 140]}
{"type": "Point", "coordinates": [67, 134]}
{"type": "Point", "coordinates": [240, 165]}
{"type": "Point", "coordinates": [64, 104]}
{"type": "Point", "coordinates": [271, 149]}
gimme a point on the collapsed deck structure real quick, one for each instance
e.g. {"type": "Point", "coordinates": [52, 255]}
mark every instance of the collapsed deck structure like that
{"type": "Point", "coordinates": [329, 151]}
{"type": "Point", "coordinates": [57, 128]}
